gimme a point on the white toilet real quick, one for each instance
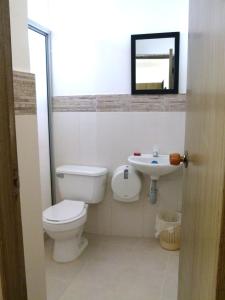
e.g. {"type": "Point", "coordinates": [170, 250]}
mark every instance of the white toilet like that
{"type": "Point", "coordinates": [64, 222]}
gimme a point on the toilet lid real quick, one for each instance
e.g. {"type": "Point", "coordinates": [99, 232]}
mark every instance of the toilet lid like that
{"type": "Point", "coordinates": [63, 211]}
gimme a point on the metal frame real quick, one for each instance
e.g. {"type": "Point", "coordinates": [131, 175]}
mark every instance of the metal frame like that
{"type": "Point", "coordinates": [136, 37]}
{"type": "Point", "coordinates": [47, 34]}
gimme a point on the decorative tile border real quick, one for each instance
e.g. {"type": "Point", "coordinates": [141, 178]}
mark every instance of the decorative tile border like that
{"type": "Point", "coordinates": [24, 93]}
{"type": "Point", "coordinates": [122, 103]}
{"type": "Point", "coordinates": [25, 100]}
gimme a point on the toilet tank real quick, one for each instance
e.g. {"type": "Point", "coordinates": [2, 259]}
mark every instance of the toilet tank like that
{"type": "Point", "coordinates": [82, 183]}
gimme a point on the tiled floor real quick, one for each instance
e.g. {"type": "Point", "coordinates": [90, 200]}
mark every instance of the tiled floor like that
{"type": "Point", "coordinates": [115, 268]}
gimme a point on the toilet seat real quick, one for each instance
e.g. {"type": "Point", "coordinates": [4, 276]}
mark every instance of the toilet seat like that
{"type": "Point", "coordinates": [64, 212]}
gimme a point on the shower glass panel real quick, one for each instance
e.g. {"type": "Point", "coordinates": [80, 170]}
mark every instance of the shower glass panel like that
{"type": "Point", "coordinates": [38, 66]}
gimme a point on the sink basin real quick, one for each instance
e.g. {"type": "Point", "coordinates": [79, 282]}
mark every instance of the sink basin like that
{"type": "Point", "coordinates": [153, 166]}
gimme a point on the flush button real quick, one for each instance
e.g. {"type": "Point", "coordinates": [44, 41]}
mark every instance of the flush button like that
{"type": "Point", "coordinates": [125, 174]}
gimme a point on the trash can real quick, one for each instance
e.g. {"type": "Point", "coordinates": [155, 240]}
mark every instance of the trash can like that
{"type": "Point", "coordinates": [168, 229]}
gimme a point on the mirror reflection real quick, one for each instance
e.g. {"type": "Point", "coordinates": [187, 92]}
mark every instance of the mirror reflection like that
{"type": "Point", "coordinates": [155, 64]}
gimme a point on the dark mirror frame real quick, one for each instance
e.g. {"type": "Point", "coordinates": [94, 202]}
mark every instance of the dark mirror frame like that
{"type": "Point", "coordinates": [136, 37]}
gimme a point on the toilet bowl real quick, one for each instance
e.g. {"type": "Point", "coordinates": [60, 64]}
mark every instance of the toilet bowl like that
{"type": "Point", "coordinates": [64, 222]}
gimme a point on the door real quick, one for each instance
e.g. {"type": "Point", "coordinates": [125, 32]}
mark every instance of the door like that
{"type": "Point", "coordinates": [202, 260]}
{"type": "Point", "coordinates": [12, 269]}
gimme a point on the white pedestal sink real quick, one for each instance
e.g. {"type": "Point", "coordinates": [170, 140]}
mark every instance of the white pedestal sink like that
{"type": "Point", "coordinates": [153, 166]}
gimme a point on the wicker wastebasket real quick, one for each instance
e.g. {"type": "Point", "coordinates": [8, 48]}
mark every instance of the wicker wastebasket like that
{"type": "Point", "coordinates": [168, 229]}
{"type": "Point", "coordinates": [170, 238]}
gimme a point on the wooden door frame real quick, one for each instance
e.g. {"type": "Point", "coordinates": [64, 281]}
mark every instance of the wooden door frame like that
{"type": "Point", "coordinates": [12, 266]}
{"type": "Point", "coordinates": [220, 288]}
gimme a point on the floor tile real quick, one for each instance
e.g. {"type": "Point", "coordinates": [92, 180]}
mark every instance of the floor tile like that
{"type": "Point", "coordinates": [114, 268]}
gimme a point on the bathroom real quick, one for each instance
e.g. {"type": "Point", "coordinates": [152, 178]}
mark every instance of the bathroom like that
{"type": "Point", "coordinates": [91, 127]}
{"type": "Point", "coordinates": [82, 119]}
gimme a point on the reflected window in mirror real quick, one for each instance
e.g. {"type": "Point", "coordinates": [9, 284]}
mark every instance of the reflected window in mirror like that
{"type": "Point", "coordinates": [155, 63]}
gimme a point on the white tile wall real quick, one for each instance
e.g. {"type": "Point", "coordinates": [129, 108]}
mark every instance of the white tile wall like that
{"type": "Point", "coordinates": [107, 139]}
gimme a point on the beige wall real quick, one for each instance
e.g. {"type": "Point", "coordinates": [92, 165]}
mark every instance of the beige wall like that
{"type": "Point", "coordinates": [19, 37]}
{"type": "Point", "coordinates": [107, 139]}
{"type": "Point", "coordinates": [27, 147]}
{"type": "Point", "coordinates": [28, 160]}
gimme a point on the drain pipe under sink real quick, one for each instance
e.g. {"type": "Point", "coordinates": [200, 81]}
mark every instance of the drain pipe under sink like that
{"type": "Point", "coordinates": [153, 191]}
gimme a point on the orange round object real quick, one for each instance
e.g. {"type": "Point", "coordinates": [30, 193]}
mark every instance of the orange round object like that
{"type": "Point", "coordinates": [176, 159]}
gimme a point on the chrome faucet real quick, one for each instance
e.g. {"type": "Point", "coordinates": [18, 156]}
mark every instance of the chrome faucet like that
{"type": "Point", "coordinates": [155, 151]}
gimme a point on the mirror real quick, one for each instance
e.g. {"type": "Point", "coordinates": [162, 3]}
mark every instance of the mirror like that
{"type": "Point", "coordinates": [155, 63]}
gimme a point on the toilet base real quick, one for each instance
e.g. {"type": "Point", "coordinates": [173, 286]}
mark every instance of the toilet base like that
{"type": "Point", "coordinates": [68, 250]}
